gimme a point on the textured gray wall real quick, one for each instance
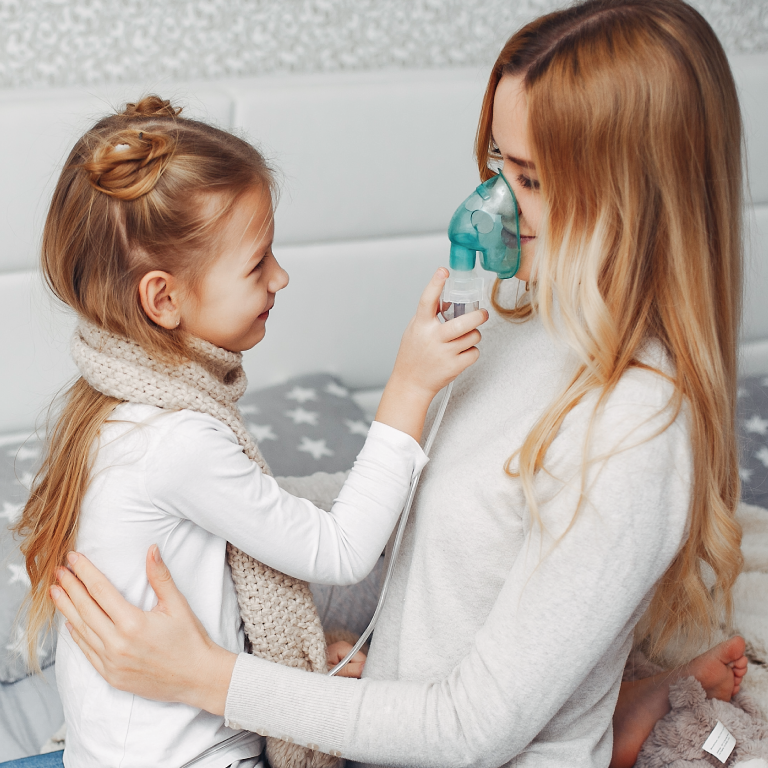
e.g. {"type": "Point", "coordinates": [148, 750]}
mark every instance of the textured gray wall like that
{"type": "Point", "coordinates": [83, 42]}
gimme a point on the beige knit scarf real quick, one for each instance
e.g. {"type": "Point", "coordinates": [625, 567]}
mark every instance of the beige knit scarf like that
{"type": "Point", "coordinates": [278, 612]}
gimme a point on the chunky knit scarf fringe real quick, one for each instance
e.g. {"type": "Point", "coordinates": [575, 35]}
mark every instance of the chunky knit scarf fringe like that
{"type": "Point", "coordinates": [278, 612]}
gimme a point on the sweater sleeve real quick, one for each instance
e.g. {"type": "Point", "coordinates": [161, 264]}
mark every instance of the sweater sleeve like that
{"type": "Point", "coordinates": [200, 473]}
{"type": "Point", "coordinates": [575, 587]}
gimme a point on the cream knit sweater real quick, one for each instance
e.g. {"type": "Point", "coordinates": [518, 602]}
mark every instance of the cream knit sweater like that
{"type": "Point", "coordinates": [498, 644]}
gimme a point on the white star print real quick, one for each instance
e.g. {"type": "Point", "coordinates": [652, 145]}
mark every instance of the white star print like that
{"type": "Point", "coordinates": [317, 448]}
{"type": "Point", "coordinates": [11, 512]}
{"type": "Point", "coordinates": [756, 425]}
{"type": "Point", "coordinates": [18, 641]}
{"type": "Point", "coordinates": [24, 453]}
{"type": "Point", "coordinates": [746, 474]}
{"type": "Point", "coordinates": [357, 427]}
{"type": "Point", "coordinates": [26, 479]}
{"type": "Point", "coordinates": [19, 574]}
{"type": "Point", "coordinates": [300, 416]}
{"type": "Point", "coordinates": [18, 645]}
{"type": "Point", "coordinates": [741, 392]}
{"type": "Point", "coordinates": [249, 410]}
{"type": "Point", "coordinates": [301, 395]}
{"type": "Point", "coordinates": [334, 389]}
{"type": "Point", "coordinates": [261, 432]}
{"type": "Point", "coordinates": [762, 455]}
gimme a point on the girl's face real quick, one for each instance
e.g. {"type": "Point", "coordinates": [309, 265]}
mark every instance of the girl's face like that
{"type": "Point", "coordinates": [510, 133]}
{"type": "Point", "coordinates": [231, 305]}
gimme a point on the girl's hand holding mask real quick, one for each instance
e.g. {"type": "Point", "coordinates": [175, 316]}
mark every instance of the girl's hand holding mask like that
{"type": "Point", "coordinates": [431, 355]}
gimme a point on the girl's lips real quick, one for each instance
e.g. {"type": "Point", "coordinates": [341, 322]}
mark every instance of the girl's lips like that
{"type": "Point", "coordinates": [264, 315]}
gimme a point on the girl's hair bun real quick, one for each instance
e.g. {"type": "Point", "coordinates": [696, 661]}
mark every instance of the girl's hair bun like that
{"type": "Point", "coordinates": [151, 106]}
{"type": "Point", "coordinates": [128, 163]}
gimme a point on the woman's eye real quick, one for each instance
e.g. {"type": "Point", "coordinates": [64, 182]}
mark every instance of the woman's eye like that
{"type": "Point", "coordinates": [527, 183]}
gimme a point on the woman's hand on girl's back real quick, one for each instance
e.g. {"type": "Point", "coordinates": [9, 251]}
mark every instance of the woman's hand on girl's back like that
{"type": "Point", "coordinates": [431, 355]}
{"type": "Point", "coordinates": [163, 654]}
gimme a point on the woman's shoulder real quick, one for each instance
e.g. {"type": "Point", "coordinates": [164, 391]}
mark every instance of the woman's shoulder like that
{"type": "Point", "coordinates": [644, 402]}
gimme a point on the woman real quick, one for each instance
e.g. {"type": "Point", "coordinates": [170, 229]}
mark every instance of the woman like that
{"type": "Point", "coordinates": [609, 402]}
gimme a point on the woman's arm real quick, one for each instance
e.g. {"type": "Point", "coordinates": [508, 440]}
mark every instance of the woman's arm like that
{"type": "Point", "coordinates": [564, 604]}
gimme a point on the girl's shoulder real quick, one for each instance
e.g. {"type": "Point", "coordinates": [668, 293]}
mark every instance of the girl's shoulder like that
{"type": "Point", "coordinates": [151, 427]}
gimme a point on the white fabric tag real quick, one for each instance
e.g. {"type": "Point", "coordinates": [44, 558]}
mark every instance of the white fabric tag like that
{"type": "Point", "coordinates": [720, 743]}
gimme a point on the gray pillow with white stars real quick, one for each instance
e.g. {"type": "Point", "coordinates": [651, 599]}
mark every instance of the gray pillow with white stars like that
{"type": "Point", "coordinates": [19, 460]}
{"type": "Point", "coordinates": [309, 424]}
{"type": "Point", "coordinates": [753, 439]}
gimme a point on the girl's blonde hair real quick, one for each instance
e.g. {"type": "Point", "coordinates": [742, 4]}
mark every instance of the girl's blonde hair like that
{"type": "Point", "coordinates": [142, 190]}
{"type": "Point", "coordinates": [635, 128]}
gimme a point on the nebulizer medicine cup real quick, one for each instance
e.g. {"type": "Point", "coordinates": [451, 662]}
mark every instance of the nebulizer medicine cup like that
{"type": "Point", "coordinates": [486, 223]}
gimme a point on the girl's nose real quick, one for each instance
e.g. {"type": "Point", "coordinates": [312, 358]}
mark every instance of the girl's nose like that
{"type": "Point", "coordinates": [278, 279]}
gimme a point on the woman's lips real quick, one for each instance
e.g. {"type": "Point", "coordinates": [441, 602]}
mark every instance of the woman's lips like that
{"type": "Point", "coordinates": [510, 239]}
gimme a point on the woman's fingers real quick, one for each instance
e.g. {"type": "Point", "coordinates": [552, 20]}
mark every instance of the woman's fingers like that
{"type": "Point", "coordinates": [430, 298]}
{"type": "Point", "coordinates": [78, 607]}
{"type": "Point", "coordinates": [100, 595]}
{"type": "Point", "coordinates": [93, 657]}
{"type": "Point", "coordinates": [161, 581]}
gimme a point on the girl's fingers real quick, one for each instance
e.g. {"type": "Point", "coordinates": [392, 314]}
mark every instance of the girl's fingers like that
{"type": "Point", "coordinates": [466, 341]}
{"type": "Point", "coordinates": [66, 607]}
{"type": "Point", "coordinates": [459, 326]}
{"type": "Point", "coordinates": [114, 607]}
{"type": "Point", "coordinates": [428, 303]}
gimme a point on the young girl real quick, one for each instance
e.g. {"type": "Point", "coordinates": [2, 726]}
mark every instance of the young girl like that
{"type": "Point", "coordinates": [159, 236]}
{"type": "Point", "coordinates": [609, 400]}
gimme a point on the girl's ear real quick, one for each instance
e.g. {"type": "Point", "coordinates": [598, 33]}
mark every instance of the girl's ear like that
{"type": "Point", "coordinates": [160, 295]}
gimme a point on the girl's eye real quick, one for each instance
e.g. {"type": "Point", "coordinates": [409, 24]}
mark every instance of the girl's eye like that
{"type": "Point", "coordinates": [527, 183]}
{"type": "Point", "coordinates": [258, 266]}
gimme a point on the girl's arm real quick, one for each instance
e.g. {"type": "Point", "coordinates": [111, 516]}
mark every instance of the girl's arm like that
{"type": "Point", "coordinates": [199, 471]}
{"type": "Point", "coordinates": [568, 600]}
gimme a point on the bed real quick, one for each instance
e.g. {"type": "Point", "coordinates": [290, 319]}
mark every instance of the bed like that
{"type": "Point", "coordinates": [367, 194]}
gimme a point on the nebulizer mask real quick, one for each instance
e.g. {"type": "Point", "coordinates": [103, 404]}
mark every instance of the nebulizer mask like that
{"type": "Point", "coordinates": [487, 224]}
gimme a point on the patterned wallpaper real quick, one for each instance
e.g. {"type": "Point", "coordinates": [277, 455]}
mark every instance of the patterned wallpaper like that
{"type": "Point", "coordinates": [82, 42]}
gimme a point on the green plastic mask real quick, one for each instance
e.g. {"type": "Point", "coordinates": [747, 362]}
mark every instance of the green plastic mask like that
{"type": "Point", "coordinates": [488, 223]}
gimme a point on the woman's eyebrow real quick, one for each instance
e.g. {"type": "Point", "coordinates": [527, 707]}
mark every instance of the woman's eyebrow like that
{"type": "Point", "coordinates": [522, 163]}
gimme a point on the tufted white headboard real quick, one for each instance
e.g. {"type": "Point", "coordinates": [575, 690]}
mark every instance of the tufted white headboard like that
{"type": "Point", "coordinates": [373, 166]}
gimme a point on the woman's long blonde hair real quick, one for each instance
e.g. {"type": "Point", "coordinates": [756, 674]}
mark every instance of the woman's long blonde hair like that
{"type": "Point", "coordinates": [134, 196]}
{"type": "Point", "coordinates": [636, 133]}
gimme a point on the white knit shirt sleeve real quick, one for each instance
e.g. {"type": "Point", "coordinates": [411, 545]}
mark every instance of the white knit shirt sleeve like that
{"type": "Point", "coordinates": [572, 591]}
{"type": "Point", "coordinates": [201, 473]}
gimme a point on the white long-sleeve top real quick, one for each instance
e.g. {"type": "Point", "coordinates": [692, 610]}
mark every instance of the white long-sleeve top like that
{"type": "Point", "coordinates": [502, 643]}
{"type": "Point", "coordinates": [181, 480]}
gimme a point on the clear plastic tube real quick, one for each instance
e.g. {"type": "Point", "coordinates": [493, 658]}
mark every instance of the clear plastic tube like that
{"type": "Point", "coordinates": [398, 536]}
{"type": "Point", "coordinates": [243, 735]}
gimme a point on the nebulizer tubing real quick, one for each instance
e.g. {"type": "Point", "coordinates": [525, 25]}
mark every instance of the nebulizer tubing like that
{"type": "Point", "coordinates": [398, 536]}
{"type": "Point", "coordinates": [486, 223]}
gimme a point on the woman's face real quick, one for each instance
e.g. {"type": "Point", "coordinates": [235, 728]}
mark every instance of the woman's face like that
{"type": "Point", "coordinates": [510, 133]}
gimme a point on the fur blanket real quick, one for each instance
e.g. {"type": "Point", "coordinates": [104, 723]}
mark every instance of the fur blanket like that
{"type": "Point", "coordinates": [750, 599]}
